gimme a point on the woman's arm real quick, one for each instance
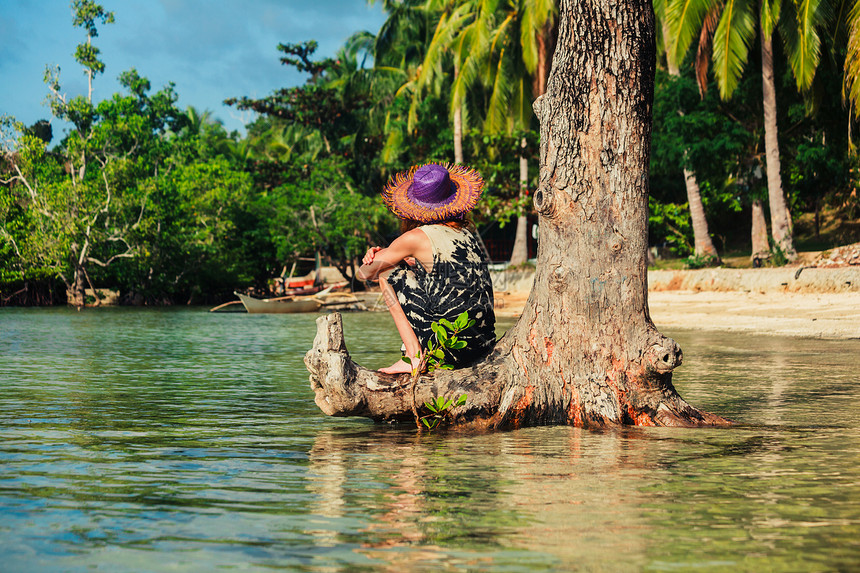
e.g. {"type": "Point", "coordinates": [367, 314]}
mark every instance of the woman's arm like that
{"type": "Point", "coordinates": [378, 260]}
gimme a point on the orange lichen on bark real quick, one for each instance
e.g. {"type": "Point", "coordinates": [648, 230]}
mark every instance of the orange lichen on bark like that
{"type": "Point", "coordinates": [640, 418]}
{"type": "Point", "coordinates": [574, 412]}
{"type": "Point", "coordinates": [550, 346]}
{"type": "Point", "coordinates": [522, 406]}
{"type": "Point", "coordinates": [526, 399]}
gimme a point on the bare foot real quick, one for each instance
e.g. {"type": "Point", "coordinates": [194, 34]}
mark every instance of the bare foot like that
{"type": "Point", "coordinates": [398, 367]}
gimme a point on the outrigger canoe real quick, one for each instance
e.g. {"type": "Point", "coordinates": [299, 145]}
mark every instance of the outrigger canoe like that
{"type": "Point", "coordinates": [295, 303]}
{"type": "Point", "coordinates": [280, 306]}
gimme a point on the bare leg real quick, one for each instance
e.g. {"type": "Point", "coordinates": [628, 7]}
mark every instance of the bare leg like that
{"type": "Point", "coordinates": [413, 347]}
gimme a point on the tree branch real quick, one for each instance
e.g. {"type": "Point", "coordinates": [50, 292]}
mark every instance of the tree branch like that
{"type": "Point", "coordinates": [33, 195]}
{"type": "Point", "coordinates": [11, 239]}
{"type": "Point", "coordinates": [129, 254]}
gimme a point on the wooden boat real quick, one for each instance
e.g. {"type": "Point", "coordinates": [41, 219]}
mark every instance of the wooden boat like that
{"type": "Point", "coordinates": [295, 304]}
{"type": "Point", "coordinates": [289, 305]}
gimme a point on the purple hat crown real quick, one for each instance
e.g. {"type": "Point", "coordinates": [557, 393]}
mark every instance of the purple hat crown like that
{"type": "Point", "coordinates": [432, 186]}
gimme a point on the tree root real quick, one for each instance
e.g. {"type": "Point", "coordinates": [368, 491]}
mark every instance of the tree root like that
{"type": "Point", "coordinates": [343, 388]}
{"type": "Point", "coordinates": [497, 398]}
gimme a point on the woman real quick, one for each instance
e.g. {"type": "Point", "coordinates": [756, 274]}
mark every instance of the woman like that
{"type": "Point", "coordinates": [434, 270]}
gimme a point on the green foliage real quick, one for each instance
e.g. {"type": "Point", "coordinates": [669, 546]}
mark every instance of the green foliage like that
{"type": "Point", "coordinates": [440, 408]}
{"type": "Point", "coordinates": [182, 210]}
{"type": "Point", "coordinates": [444, 338]}
{"type": "Point", "coordinates": [333, 107]}
{"type": "Point", "coordinates": [671, 221]}
{"type": "Point", "coordinates": [433, 358]}
{"type": "Point", "coordinates": [777, 255]}
{"type": "Point", "coordinates": [696, 261]}
{"type": "Point", "coordinates": [86, 13]}
{"type": "Point", "coordinates": [315, 209]}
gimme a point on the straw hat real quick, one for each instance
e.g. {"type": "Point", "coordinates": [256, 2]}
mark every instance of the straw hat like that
{"type": "Point", "coordinates": [433, 193]}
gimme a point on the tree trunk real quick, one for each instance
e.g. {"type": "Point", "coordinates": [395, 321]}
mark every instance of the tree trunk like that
{"type": "Point", "coordinates": [760, 247]}
{"type": "Point", "coordinates": [585, 351]}
{"type": "Point", "coordinates": [701, 235]}
{"type": "Point", "coordinates": [520, 252]}
{"type": "Point", "coordinates": [78, 289]}
{"type": "Point", "coordinates": [458, 125]}
{"type": "Point", "coordinates": [780, 218]}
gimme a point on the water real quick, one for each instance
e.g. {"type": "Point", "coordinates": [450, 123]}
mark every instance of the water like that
{"type": "Point", "coordinates": [155, 440]}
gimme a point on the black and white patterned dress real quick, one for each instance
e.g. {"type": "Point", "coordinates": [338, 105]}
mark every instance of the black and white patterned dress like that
{"type": "Point", "coordinates": [457, 281]}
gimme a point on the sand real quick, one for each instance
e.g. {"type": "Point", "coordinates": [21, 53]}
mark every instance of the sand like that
{"type": "Point", "coordinates": [810, 315]}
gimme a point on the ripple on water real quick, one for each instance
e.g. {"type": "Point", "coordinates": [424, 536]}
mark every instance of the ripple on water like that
{"type": "Point", "coordinates": [155, 439]}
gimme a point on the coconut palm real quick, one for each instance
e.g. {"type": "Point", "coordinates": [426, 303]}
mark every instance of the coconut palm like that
{"type": "Point", "coordinates": [703, 245]}
{"type": "Point", "coordinates": [500, 47]}
{"type": "Point", "coordinates": [527, 28]}
{"type": "Point", "coordinates": [852, 58]}
{"type": "Point", "coordinates": [505, 49]}
{"type": "Point", "coordinates": [727, 28]}
{"type": "Point", "coordinates": [444, 53]}
{"type": "Point", "coordinates": [399, 51]}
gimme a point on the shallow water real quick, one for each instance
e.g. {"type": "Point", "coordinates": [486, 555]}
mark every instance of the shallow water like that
{"type": "Point", "coordinates": [176, 439]}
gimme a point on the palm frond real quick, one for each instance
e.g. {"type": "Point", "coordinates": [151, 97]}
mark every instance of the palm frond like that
{"type": "Point", "coordinates": [851, 89]}
{"type": "Point", "coordinates": [732, 40]}
{"type": "Point", "coordinates": [684, 19]}
{"type": "Point", "coordinates": [660, 10]}
{"type": "Point", "coordinates": [500, 96]}
{"type": "Point", "coordinates": [799, 30]}
{"type": "Point", "coordinates": [769, 16]}
{"type": "Point", "coordinates": [703, 53]}
{"type": "Point", "coordinates": [837, 22]}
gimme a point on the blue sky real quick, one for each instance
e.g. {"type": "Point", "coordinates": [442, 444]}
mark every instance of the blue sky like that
{"type": "Point", "coordinates": [211, 49]}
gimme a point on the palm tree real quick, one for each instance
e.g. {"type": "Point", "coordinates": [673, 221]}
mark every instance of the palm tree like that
{"type": "Point", "coordinates": [399, 51]}
{"type": "Point", "coordinates": [500, 47]}
{"type": "Point", "coordinates": [532, 24]}
{"type": "Point", "coordinates": [506, 48]}
{"type": "Point", "coordinates": [731, 26]}
{"type": "Point", "coordinates": [852, 58]}
{"type": "Point", "coordinates": [703, 245]}
{"type": "Point", "coordinates": [455, 18]}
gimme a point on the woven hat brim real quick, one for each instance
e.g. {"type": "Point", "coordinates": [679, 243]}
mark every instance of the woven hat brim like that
{"type": "Point", "coordinates": [468, 184]}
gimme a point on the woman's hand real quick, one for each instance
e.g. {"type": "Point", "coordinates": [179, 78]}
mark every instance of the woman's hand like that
{"type": "Point", "coordinates": [368, 257]}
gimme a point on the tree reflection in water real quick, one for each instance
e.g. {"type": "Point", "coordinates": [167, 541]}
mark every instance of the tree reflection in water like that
{"type": "Point", "coordinates": [541, 496]}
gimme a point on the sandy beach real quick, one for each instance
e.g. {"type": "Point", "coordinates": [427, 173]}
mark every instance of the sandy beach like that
{"type": "Point", "coordinates": [810, 315]}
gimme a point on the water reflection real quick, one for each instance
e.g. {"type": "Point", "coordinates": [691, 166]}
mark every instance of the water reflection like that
{"type": "Point", "coordinates": [563, 497]}
{"type": "Point", "coordinates": [177, 440]}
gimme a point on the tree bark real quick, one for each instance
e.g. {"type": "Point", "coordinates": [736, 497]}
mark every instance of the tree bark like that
{"type": "Point", "coordinates": [585, 351]}
{"type": "Point", "coordinates": [701, 236]}
{"type": "Point", "coordinates": [79, 288]}
{"type": "Point", "coordinates": [520, 252]}
{"type": "Point", "coordinates": [780, 217]}
{"type": "Point", "coordinates": [458, 125]}
{"type": "Point", "coordinates": [760, 247]}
